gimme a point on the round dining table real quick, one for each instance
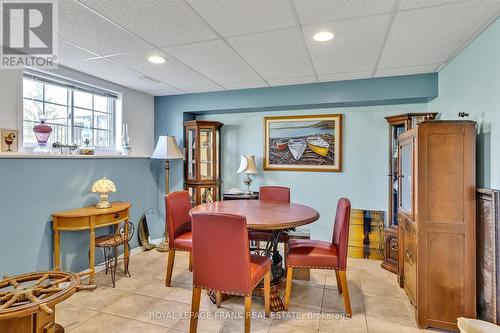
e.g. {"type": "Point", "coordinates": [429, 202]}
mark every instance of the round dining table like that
{"type": "Point", "coordinates": [275, 217]}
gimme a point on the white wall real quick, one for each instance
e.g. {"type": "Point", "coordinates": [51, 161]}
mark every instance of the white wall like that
{"type": "Point", "coordinates": [137, 107]}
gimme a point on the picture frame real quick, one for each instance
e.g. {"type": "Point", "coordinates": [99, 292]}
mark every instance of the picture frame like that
{"type": "Point", "coordinates": [9, 140]}
{"type": "Point", "coordinates": [303, 143]}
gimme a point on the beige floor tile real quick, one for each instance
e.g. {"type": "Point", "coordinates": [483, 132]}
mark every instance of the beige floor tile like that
{"type": "Point", "coordinates": [281, 327]}
{"type": "Point", "coordinates": [70, 316]}
{"type": "Point", "coordinates": [385, 324]}
{"type": "Point", "coordinates": [164, 312]}
{"type": "Point", "coordinates": [205, 324]}
{"type": "Point", "coordinates": [154, 288]}
{"type": "Point", "coordinates": [257, 325]}
{"type": "Point", "coordinates": [335, 321]}
{"type": "Point", "coordinates": [333, 300]}
{"type": "Point", "coordinates": [386, 307]}
{"type": "Point", "coordinates": [97, 299]}
{"type": "Point", "coordinates": [102, 322]}
{"type": "Point", "coordinates": [317, 278]}
{"type": "Point", "coordinates": [130, 306]}
{"type": "Point", "coordinates": [300, 315]}
{"type": "Point", "coordinates": [142, 327]}
{"type": "Point", "coordinates": [304, 294]}
{"type": "Point", "coordinates": [181, 293]}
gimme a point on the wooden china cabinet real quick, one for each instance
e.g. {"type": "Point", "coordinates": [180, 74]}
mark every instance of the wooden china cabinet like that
{"type": "Point", "coordinates": [397, 124]}
{"type": "Point", "coordinates": [202, 160]}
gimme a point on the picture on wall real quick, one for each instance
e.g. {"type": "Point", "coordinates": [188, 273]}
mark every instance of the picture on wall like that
{"type": "Point", "coordinates": [9, 140]}
{"type": "Point", "coordinates": [303, 143]}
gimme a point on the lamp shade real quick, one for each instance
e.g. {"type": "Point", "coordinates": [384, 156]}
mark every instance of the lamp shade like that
{"type": "Point", "coordinates": [247, 165]}
{"type": "Point", "coordinates": [103, 185]}
{"type": "Point", "coordinates": [167, 149]}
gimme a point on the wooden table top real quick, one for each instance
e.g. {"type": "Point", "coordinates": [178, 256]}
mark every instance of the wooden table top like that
{"type": "Point", "coordinates": [93, 211]}
{"type": "Point", "coordinates": [263, 215]}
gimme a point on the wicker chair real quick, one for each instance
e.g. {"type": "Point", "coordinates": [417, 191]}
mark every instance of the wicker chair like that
{"type": "Point", "coordinates": [109, 245]}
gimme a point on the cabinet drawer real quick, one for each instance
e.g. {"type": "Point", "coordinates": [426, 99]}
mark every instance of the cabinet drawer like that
{"type": "Point", "coordinates": [410, 266]}
{"type": "Point", "coordinates": [111, 218]}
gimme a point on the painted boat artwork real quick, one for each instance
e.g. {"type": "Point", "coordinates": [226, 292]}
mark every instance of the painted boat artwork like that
{"type": "Point", "coordinates": [297, 147]}
{"type": "Point", "coordinates": [318, 145]}
{"type": "Point", "coordinates": [282, 144]}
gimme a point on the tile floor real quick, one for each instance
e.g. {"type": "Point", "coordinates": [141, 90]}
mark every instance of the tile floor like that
{"type": "Point", "coordinates": [142, 303]}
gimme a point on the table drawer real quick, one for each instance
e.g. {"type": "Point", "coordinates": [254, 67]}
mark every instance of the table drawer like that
{"type": "Point", "coordinates": [111, 218]}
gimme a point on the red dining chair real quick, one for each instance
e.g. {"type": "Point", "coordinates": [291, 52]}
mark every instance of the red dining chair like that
{"type": "Point", "coordinates": [222, 263]}
{"type": "Point", "coordinates": [178, 205]}
{"type": "Point", "coordinates": [276, 194]}
{"type": "Point", "coordinates": [316, 254]}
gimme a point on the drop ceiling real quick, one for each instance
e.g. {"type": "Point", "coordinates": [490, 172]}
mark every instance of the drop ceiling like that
{"type": "Point", "coordinates": [214, 45]}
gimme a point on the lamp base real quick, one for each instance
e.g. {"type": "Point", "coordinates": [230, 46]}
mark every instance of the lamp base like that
{"type": "Point", "coordinates": [248, 181]}
{"type": "Point", "coordinates": [163, 246]}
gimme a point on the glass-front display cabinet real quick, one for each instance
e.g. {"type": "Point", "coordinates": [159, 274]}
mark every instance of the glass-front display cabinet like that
{"type": "Point", "coordinates": [202, 160]}
{"type": "Point", "coordinates": [397, 124]}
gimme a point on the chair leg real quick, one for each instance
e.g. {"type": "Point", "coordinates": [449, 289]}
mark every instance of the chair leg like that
{"type": "Point", "coordinates": [267, 293]}
{"type": "Point", "coordinates": [339, 285]}
{"type": "Point", "coordinates": [195, 307]}
{"type": "Point", "coordinates": [218, 298]}
{"type": "Point", "coordinates": [190, 261]}
{"type": "Point", "coordinates": [105, 259]}
{"type": "Point", "coordinates": [345, 293]}
{"type": "Point", "coordinates": [248, 312]}
{"type": "Point", "coordinates": [288, 290]}
{"type": "Point", "coordinates": [127, 259]}
{"type": "Point", "coordinates": [114, 265]}
{"type": "Point", "coordinates": [285, 252]}
{"type": "Point", "coordinates": [170, 267]}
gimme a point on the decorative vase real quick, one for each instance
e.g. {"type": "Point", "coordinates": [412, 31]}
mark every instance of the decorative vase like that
{"type": "Point", "coordinates": [126, 149]}
{"type": "Point", "coordinates": [42, 134]}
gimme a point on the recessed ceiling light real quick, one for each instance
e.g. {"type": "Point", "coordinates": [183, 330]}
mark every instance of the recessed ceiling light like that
{"type": "Point", "coordinates": [323, 36]}
{"type": "Point", "coordinates": [156, 59]}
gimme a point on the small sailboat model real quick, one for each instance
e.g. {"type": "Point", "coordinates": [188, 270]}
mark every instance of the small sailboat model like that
{"type": "Point", "coordinates": [318, 145]}
{"type": "Point", "coordinates": [282, 144]}
{"type": "Point", "coordinates": [297, 147]}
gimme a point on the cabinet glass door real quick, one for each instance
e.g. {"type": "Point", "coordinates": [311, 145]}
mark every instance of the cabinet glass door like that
{"type": "Point", "coordinates": [206, 153]}
{"type": "Point", "coordinates": [406, 176]}
{"type": "Point", "coordinates": [191, 153]}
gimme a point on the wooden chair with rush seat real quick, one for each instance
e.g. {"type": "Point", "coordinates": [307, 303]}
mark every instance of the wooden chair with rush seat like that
{"type": "Point", "coordinates": [314, 254]}
{"type": "Point", "coordinates": [178, 221]}
{"type": "Point", "coordinates": [223, 264]}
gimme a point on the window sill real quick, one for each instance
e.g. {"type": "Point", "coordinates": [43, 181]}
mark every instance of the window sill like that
{"type": "Point", "coordinates": [67, 156]}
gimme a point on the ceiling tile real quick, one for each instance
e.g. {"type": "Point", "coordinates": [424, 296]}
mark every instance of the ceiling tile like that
{"type": "Point", "coordinates": [344, 76]}
{"type": "Point", "coordinates": [171, 72]}
{"type": "Point", "coordinates": [245, 85]}
{"type": "Point", "coordinates": [160, 22]}
{"type": "Point", "coordinates": [432, 35]}
{"type": "Point", "coordinates": [320, 11]}
{"type": "Point", "coordinates": [81, 27]}
{"type": "Point", "coordinates": [355, 47]}
{"type": "Point", "coordinates": [406, 70]}
{"type": "Point", "coordinates": [216, 60]}
{"type": "Point", "coordinates": [67, 53]}
{"type": "Point", "coordinates": [201, 89]}
{"type": "Point", "coordinates": [292, 81]}
{"type": "Point", "coordinates": [276, 54]}
{"type": "Point", "coordinates": [412, 4]}
{"type": "Point", "coordinates": [237, 17]}
{"type": "Point", "coordinates": [107, 70]}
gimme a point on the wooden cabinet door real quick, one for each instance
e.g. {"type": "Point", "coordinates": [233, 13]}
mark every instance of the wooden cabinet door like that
{"type": "Point", "coordinates": [410, 266]}
{"type": "Point", "coordinates": [407, 177]}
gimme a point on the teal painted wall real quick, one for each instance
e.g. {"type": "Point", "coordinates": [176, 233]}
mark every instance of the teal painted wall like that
{"type": "Point", "coordinates": [364, 103]}
{"type": "Point", "coordinates": [365, 156]}
{"type": "Point", "coordinates": [32, 189]}
{"type": "Point", "coordinates": [471, 83]}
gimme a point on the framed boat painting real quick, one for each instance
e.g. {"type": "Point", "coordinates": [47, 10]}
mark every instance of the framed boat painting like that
{"type": "Point", "coordinates": [303, 143]}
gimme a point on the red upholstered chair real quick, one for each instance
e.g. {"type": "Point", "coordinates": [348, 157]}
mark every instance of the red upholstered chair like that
{"type": "Point", "coordinates": [222, 263]}
{"type": "Point", "coordinates": [178, 205]}
{"type": "Point", "coordinates": [271, 193]}
{"type": "Point", "coordinates": [323, 255]}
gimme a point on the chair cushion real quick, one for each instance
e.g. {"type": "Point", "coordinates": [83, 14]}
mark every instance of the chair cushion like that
{"type": "Point", "coordinates": [259, 265]}
{"type": "Point", "coordinates": [312, 254]}
{"type": "Point", "coordinates": [184, 241]}
{"type": "Point", "coordinates": [265, 236]}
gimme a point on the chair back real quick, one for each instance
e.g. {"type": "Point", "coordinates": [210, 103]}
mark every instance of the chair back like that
{"type": "Point", "coordinates": [221, 260]}
{"type": "Point", "coordinates": [178, 205]}
{"type": "Point", "coordinates": [130, 228]}
{"type": "Point", "coordinates": [341, 230]}
{"type": "Point", "coordinates": [274, 193]}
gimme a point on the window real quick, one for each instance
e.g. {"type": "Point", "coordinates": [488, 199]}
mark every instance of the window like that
{"type": "Point", "coordinates": [69, 108]}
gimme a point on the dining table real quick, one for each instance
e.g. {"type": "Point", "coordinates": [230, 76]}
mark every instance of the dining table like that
{"type": "Point", "coordinates": [275, 217]}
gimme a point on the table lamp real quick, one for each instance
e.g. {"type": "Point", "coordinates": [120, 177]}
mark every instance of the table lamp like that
{"type": "Point", "coordinates": [103, 186]}
{"type": "Point", "coordinates": [166, 149]}
{"type": "Point", "coordinates": [247, 166]}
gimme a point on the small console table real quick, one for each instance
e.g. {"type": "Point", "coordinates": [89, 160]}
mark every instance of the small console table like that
{"type": "Point", "coordinates": [89, 218]}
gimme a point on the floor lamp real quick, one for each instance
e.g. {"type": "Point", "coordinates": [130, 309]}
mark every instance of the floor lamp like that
{"type": "Point", "coordinates": [166, 149]}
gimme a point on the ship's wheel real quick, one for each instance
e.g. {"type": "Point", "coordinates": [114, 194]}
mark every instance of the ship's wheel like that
{"type": "Point", "coordinates": [32, 293]}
